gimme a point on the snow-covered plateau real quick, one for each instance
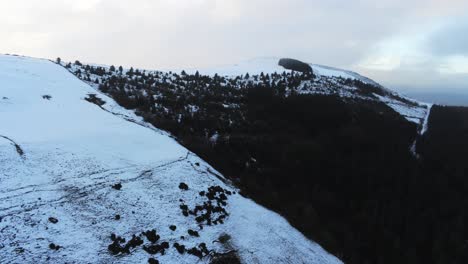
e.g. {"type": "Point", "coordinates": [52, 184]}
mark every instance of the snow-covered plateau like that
{"type": "Point", "coordinates": [73, 172]}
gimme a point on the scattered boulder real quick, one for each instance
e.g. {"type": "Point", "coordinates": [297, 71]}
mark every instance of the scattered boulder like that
{"type": "Point", "coordinates": [119, 239]}
{"type": "Point", "coordinates": [117, 217]}
{"type": "Point", "coordinates": [47, 97]}
{"type": "Point", "coordinates": [117, 186]}
{"type": "Point", "coordinates": [173, 227]}
{"type": "Point", "coordinates": [196, 252]}
{"type": "Point", "coordinates": [116, 247]}
{"type": "Point", "coordinates": [53, 220]}
{"type": "Point", "coordinates": [179, 248]}
{"type": "Point", "coordinates": [183, 186]}
{"type": "Point", "coordinates": [193, 233]}
{"type": "Point", "coordinates": [151, 236]}
{"type": "Point", "coordinates": [211, 211]}
{"type": "Point", "coordinates": [154, 249]}
{"type": "Point", "coordinates": [53, 246]}
{"type": "Point", "coordinates": [153, 261]}
{"type": "Point", "coordinates": [200, 252]}
{"type": "Point", "coordinates": [134, 242]}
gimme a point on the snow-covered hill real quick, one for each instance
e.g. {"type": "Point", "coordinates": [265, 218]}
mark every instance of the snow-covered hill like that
{"type": "Point", "coordinates": [329, 80]}
{"type": "Point", "coordinates": [63, 159]}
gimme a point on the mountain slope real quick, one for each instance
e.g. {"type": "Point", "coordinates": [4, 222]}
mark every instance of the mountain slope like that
{"type": "Point", "coordinates": [62, 160]}
{"type": "Point", "coordinates": [369, 174]}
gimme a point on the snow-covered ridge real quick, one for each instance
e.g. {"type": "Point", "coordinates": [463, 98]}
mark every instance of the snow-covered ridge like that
{"type": "Point", "coordinates": [328, 81]}
{"type": "Point", "coordinates": [60, 190]}
{"type": "Point", "coordinates": [327, 77]}
{"type": "Point", "coordinates": [326, 71]}
{"type": "Point", "coordinates": [270, 65]}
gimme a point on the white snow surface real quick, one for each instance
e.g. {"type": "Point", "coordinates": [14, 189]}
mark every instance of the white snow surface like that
{"type": "Point", "coordinates": [253, 66]}
{"type": "Point", "coordinates": [74, 151]}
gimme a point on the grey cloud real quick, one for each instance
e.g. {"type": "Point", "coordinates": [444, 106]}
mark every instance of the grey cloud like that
{"type": "Point", "coordinates": [451, 39]}
{"type": "Point", "coordinates": [203, 33]}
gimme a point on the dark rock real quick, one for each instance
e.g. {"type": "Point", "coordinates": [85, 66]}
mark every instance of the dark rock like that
{"type": "Point", "coordinates": [53, 246]}
{"type": "Point", "coordinates": [165, 245]}
{"type": "Point", "coordinates": [117, 217]}
{"type": "Point", "coordinates": [180, 248]}
{"type": "Point", "coordinates": [295, 65]}
{"type": "Point", "coordinates": [173, 227]}
{"type": "Point", "coordinates": [154, 249]}
{"type": "Point", "coordinates": [117, 186]}
{"type": "Point", "coordinates": [183, 186]}
{"type": "Point", "coordinates": [193, 233]}
{"type": "Point", "coordinates": [53, 220]}
{"type": "Point", "coordinates": [115, 248]}
{"type": "Point", "coordinates": [134, 242]}
{"type": "Point", "coordinates": [203, 248]}
{"type": "Point", "coordinates": [196, 252]}
{"type": "Point", "coordinates": [151, 236]}
{"type": "Point", "coordinates": [153, 261]}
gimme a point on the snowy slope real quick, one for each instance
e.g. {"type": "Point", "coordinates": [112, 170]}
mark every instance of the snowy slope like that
{"type": "Point", "coordinates": [60, 156]}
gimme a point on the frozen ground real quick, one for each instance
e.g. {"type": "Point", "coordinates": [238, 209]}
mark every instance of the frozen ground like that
{"type": "Point", "coordinates": [60, 155]}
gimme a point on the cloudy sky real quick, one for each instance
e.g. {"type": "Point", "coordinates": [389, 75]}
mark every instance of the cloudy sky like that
{"type": "Point", "coordinates": [408, 45]}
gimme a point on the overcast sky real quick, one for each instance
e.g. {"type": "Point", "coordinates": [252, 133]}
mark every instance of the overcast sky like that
{"type": "Point", "coordinates": [410, 45]}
